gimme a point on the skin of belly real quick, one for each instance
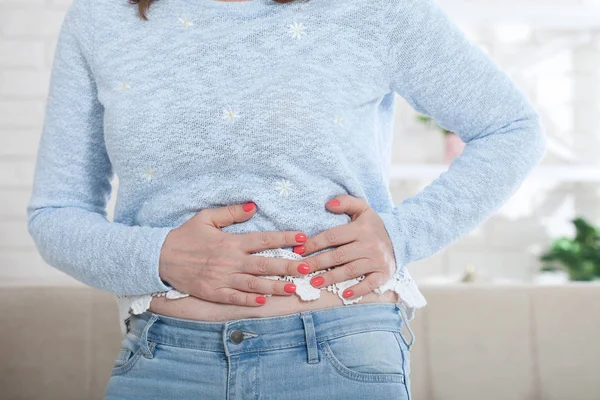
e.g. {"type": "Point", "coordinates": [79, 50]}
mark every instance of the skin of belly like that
{"type": "Point", "coordinates": [202, 310]}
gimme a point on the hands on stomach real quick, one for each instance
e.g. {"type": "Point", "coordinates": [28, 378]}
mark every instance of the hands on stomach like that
{"type": "Point", "coordinates": [213, 266]}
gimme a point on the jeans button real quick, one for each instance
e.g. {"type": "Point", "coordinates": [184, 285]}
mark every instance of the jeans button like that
{"type": "Point", "coordinates": [236, 336]}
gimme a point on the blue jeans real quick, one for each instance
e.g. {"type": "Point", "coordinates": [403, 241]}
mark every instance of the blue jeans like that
{"type": "Point", "coordinates": [353, 351]}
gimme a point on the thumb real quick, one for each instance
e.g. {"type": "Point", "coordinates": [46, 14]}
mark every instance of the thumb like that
{"type": "Point", "coordinates": [344, 203]}
{"type": "Point", "coordinates": [224, 216]}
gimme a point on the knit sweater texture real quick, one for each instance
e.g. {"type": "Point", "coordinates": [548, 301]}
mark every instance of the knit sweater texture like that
{"type": "Point", "coordinates": [210, 103]}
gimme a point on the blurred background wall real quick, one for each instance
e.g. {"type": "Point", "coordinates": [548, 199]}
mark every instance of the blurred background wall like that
{"type": "Point", "coordinates": [551, 48]}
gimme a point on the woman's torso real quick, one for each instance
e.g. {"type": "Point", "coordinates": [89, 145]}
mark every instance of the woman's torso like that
{"type": "Point", "coordinates": [284, 105]}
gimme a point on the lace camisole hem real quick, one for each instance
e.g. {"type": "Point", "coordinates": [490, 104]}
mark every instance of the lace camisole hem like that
{"type": "Point", "coordinates": [410, 297]}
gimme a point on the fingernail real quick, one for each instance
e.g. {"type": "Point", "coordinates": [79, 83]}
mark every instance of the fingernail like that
{"type": "Point", "coordinates": [317, 281]}
{"type": "Point", "coordinates": [299, 249]}
{"type": "Point", "coordinates": [303, 268]}
{"type": "Point", "coordinates": [348, 293]}
{"type": "Point", "coordinates": [334, 202]}
{"type": "Point", "coordinates": [248, 206]}
{"type": "Point", "coordinates": [289, 288]}
{"type": "Point", "coordinates": [261, 299]}
{"type": "Point", "coordinates": [301, 237]}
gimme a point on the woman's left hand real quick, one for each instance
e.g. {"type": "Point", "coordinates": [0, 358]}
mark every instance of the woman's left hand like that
{"type": "Point", "coordinates": [361, 247]}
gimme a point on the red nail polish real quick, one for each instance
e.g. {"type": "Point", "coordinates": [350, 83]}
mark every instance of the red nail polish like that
{"type": "Point", "coordinates": [290, 288]}
{"type": "Point", "coordinates": [248, 206]}
{"type": "Point", "coordinates": [301, 237]}
{"type": "Point", "coordinates": [261, 299]}
{"type": "Point", "coordinates": [334, 202]}
{"type": "Point", "coordinates": [303, 268]}
{"type": "Point", "coordinates": [348, 293]}
{"type": "Point", "coordinates": [317, 281]}
{"type": "Point", "coordinates": [299, 249]}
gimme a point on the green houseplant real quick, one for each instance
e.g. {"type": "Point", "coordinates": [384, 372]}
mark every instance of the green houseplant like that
{"type": "Point", "coordinates": [427, 120]}
{"type": "Point", "coordinates": [579, 256]}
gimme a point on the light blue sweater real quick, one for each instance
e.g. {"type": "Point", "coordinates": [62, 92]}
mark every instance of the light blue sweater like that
{"type": "Point", "coordinates": [213, 103]}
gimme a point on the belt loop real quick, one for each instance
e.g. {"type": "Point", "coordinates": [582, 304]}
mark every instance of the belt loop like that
{"type": "Point", "coordinates": [311, 337]}
{"type": "Point", "coordinates": [147, 348]}
{"type": "Point", "coordinates": [400, 308]}
{"type": "Point", "coordinates": [128, 324]}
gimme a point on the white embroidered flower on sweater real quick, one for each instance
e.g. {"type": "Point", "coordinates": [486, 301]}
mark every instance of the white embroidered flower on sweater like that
{"type": "Point", "coordinates": [123, 85]}
{"type": "Point", "coordinates": [339, 121]}
{"type": "Point", "coordinates": [149, 174]}
{"type": "Point", "coordinates": [284, 187]}
{"type": "Point", "coordinates": [186, 22]}
{"type": "Point", "coordinates": [297, 30]}
{"type": "Point", "coordinates": [230, 114]}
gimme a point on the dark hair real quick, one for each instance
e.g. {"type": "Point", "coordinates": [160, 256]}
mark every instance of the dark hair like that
{"type": "Point", "coordinates": [144, 5]}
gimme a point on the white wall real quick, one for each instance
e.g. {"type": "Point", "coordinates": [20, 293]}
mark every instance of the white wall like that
{"type": "Point", "coordinates": [28, 32]}
{"type": "Point", "coordinates": [566, 86]}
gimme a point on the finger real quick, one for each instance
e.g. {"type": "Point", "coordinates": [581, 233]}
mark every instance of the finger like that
{"type": "Point", "coordinates": [336, 256]}
{"type": "Point", "coordinates": [353, 206]}
{"type": "Point", "coordinates": [224, 216]}
{"type": "Point", "coordinates": [332, 237]}
{"type": "Point", "coordinates": [371, 282]}
{"type": "Point", "coordinates": [261, 265]}
{"type": "Point", "coordinates": [253, 242]}
{"type": "Point", "coordinates": [254, 284]}
{"type": "Point", "coordinates": [353, 269]}
{"type": "Point", "coordinates": [233, 296]}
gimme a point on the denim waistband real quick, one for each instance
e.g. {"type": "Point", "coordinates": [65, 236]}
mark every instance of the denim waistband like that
{"type": "Point", "coordinates": [269, 333]}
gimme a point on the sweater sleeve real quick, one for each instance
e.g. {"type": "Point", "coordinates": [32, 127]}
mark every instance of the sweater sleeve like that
{"type": "Point", "coordinates": [442, 74]}
{"type": "Point", "coordinates": [72, 179]}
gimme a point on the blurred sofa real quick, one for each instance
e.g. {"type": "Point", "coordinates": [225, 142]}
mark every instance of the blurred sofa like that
{"type": "Point", "coordinates": [472, 343]}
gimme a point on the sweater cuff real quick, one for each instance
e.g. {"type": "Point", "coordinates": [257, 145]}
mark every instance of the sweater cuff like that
{"type": "Point", "coordinates": [152, 282]}
{"type": "Point", "coordinates": [392, 226]}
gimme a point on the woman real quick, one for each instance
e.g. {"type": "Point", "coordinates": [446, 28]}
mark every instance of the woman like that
{"type": "Point", "coordinates": [255, 241]}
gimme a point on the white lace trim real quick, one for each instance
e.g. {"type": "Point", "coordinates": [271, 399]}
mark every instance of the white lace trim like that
{"type": "Point", "coordinates": [401, 283]}
{"type": "Point", "coordinates": [139, 304]}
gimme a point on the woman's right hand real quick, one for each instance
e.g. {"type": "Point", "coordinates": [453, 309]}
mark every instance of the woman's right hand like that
{"type": "Point", "coordinates": [199, 259]}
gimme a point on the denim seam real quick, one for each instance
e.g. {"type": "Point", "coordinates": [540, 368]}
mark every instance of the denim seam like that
{"type": "Point", "coordinates": [185, 346]}
{"type": "Point", "coordinates": [287, 346]}
{"type": "Point", "coordinates": [256, 385]}
{"type": "Point", "coordinates": [405, 355]}
{"type": "Point", "coordinates": [403, 340]}
{"type": "Point", "coordinates": [360, 376]}
{"type": "Point", "coordinates": [355, 331]}
{"type": "Point", "coordinates": [219, 349]}
{"type": "Point", "coordinates": [128, 364]}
